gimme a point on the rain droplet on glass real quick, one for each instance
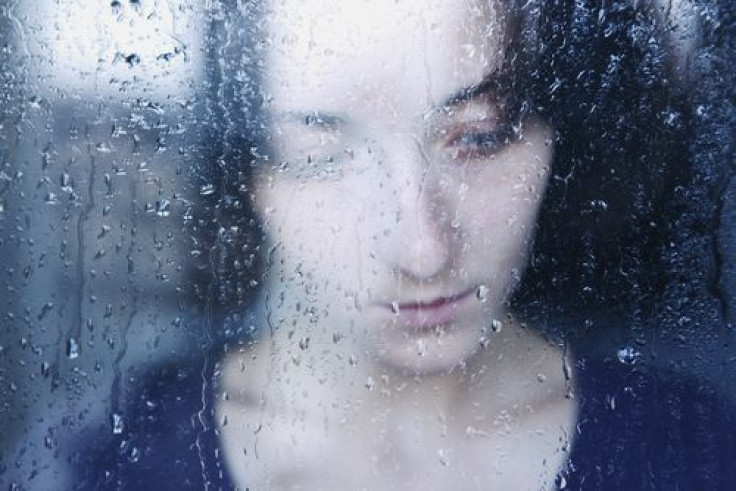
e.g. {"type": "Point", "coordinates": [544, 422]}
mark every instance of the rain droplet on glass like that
{"type": "Point", "coordinates": [482, 293]}
{"type": "Point", "coordinates": [206, 189]}
{"type": "Point", "coordinates": [132, 59]}
{"type": "Point", "coordinates": [395, 308]}
{"type": "Point", "coordinates": [163, 207]}
{"type": "Point", "coordinates": [117, 424]}
{"type": "Point", "coordinates": [628, 355]}
{"type": "Point", "coordinates": [72, 349]}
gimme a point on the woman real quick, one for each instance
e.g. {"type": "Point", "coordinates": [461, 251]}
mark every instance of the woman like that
{"type": "Point", "coordinates": [403, 157]}
{"type": "Point", "coordinates": [398, 195]}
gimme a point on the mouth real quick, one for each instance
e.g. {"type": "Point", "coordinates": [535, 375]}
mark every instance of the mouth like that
{"type": "Point", "coordinates": [424, 315]}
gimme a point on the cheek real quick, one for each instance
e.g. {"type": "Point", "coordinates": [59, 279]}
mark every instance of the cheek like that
{"type": "Point", "coordinates": [497, 215]}
{"type": "Point", "coordinates": [500, 212]}
{"type": "Point", "coordinates": [316, 228]}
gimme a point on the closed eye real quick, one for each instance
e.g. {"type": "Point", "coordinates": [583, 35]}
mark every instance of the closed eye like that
{"type": "Point", "coordinates": [310, 144]}
{"type": "Point", "coordinates": [477, 141]}
{"type": "Point", "coordinates": [323, 121]}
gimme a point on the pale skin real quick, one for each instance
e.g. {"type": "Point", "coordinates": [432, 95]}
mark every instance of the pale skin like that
{"type": "Point", "coordinates": [399, 203]}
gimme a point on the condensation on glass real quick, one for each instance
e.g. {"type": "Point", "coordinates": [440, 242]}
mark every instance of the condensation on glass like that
{"type": "Point", "coordinates": [333, 245]}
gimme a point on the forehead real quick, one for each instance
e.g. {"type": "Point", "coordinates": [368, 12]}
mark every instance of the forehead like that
{"type": "Point", "coordinates": [325, 53]}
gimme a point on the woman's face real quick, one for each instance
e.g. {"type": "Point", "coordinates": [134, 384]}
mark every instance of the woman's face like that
{"type": "Point", "coordinates": [401, 188]}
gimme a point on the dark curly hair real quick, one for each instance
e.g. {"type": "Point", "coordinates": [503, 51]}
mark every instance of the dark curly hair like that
{"type": "Point", "coordinates": [602, 75]}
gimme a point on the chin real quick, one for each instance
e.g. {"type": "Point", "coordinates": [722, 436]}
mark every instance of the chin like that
{"type": "Point", "coordinates": [429, 354]}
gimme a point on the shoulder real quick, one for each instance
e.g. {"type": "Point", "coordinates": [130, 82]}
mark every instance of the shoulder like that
{"type": "Point", "coordinates": [164, 437]}
{"type": "Point", "coordinates": [643, 428]}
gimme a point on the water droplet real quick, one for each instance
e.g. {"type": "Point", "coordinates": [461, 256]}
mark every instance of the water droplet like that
{"type": "Point", "coordinates": [168, 56]}
{"type": "Point", "coordinates": [163, 207]}
{"type": "Point", "coordinates": [104, 230]}
{"type": "Point", "coordinates": [598, 205]}
{"type": "Point", "coordinates": [395, 308]}
{"type": "Point", "coordinates": [421, 347]}
{"type": "Point", "coordinates": [207, 189]}
{"type": "Point", "coordinates": [134, 455]}
{"type": "Point", "coordinates": [117, 424]}
{"type": "Point", "coordinates": [104, 147]}
{"type": "Point", "coordinates": [132, 59]}
{"type": "Point", "coordinates": [370, 383]}
{"type": "Point", "coordinates": [304, 343]}
{"type": "Point", "coordinates": [482, 293]}
{"type": "Point", "coordinates": [611, 402]}
{"type": "Point", "coordinates": [442, 457]}
{"type": "Point", "coordinates": [72, 349]}
{"type": "Point", "coordinates": [628, 355]}
{"type": "Point", "coordinates": [66, 182]}
{"type": "Point", "coordinates": [561, 482]}
{"type": "Point", "coordinates": [496, 325]}
{"type": "Point", "coordinates": [35, 101]}
{"type": "Point", "coordinates": [353, 360]}
{"type": "Point", "coordinates": [45, 310]}
{"type": "Point", "coordinates": [455, 223]}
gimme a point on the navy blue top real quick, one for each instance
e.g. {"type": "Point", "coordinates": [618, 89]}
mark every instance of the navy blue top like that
{"type": "Point", "coordinates": [637, 431]}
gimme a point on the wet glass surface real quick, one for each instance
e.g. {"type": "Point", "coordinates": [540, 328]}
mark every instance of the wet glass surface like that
{"type": "Point", "coordinates": [291, 245]}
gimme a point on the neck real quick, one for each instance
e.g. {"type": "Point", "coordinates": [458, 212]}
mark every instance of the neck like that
{"type": "Point", "coordinates": [323, 357]}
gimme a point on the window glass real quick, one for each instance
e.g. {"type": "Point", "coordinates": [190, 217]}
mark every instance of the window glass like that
{"type": "Point", "coordinates": [367, 245]}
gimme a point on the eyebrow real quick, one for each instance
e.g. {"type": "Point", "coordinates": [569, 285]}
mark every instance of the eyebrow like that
{"type": "Point", "coordinates": [490, 83]}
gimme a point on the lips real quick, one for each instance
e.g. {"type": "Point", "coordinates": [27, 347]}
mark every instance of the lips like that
{"type": "Point", "coordinates": [427, 314]}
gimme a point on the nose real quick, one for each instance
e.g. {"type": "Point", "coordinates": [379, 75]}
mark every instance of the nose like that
{"type": "Point", "coordinates": [421, 232]}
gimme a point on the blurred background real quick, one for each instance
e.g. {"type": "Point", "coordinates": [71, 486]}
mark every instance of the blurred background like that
{"type": "Point", "coordinates": [103, 115]}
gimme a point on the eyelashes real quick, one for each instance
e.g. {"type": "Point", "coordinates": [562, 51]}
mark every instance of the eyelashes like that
{"type": "Point", "coordinates": [477, 141]}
